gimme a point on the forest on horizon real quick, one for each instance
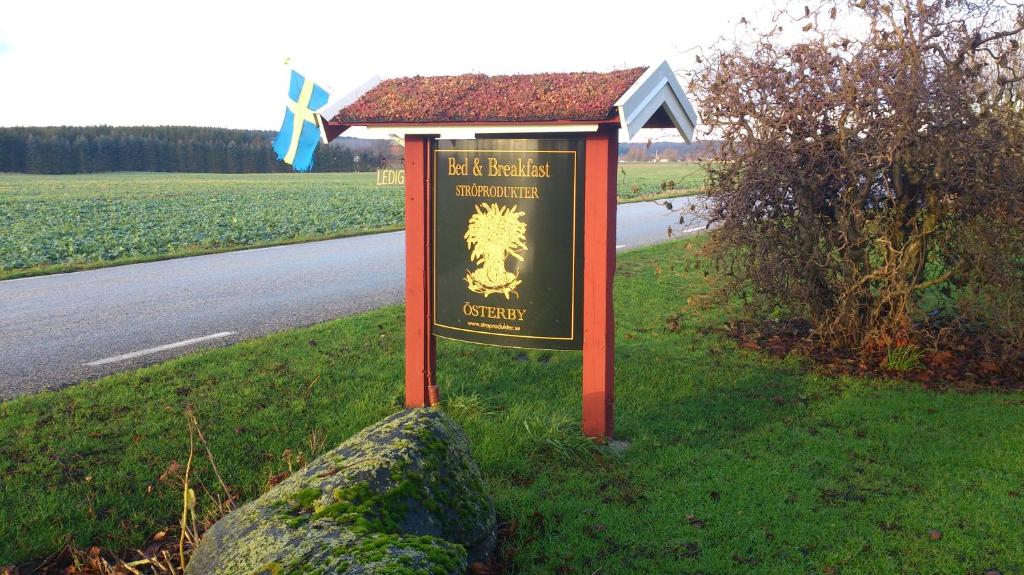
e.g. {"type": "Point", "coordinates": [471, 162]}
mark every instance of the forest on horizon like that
{"type": "Point", "coordinates": [96, 149]}
{"type": "Point", "coordinates": [93, 149]}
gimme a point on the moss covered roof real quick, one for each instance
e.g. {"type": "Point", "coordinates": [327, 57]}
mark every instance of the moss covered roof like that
{"type": "Point", "coordinates": [478, 98]}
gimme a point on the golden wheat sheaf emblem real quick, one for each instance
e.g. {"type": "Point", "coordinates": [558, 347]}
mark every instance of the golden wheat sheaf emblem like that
{"type": "Point", "coordinates": [495, 233]}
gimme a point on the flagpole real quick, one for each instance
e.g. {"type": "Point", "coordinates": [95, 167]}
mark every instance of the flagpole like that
{"type": "Point", "coordinates": [302, 69]}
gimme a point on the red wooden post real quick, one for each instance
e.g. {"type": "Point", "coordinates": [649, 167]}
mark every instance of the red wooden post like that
{"type": "Point", "coordinates": [420, 365]}
{"type": "Point", "coordinates": [598, 272]}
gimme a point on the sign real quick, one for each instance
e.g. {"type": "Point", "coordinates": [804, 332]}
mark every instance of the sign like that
{"type": "Point", "coordinates": [388, 177]}
{"type": "Point", "coordinates": [507, 242]}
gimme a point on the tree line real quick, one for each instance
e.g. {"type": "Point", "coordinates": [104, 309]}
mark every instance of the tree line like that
{"type": "Point", "coordinates": [667, 151]}
{"type": "Point", "coordinates": [74, 150]}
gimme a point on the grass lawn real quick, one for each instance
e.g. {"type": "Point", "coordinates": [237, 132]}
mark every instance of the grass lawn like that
{"type": "Point", "coordinates": [739, 463]}
{"type": "Point", "coordinates": [65, 223]}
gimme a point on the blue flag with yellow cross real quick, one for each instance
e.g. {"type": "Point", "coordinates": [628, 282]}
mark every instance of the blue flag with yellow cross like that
{"type": "Point", "coordinates": [300, 131]}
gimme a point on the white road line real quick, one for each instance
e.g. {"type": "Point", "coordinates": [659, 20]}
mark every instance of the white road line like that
{"type": "Point", "coordinates": [159, 348]}
{"type": "Point", "coordinates": [253, 250]}
{"type": "Point", "coordinates": [26, 278]}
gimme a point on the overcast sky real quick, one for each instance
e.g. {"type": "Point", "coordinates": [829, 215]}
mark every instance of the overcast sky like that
{"type": "Point", "coordinates": [213, 63]}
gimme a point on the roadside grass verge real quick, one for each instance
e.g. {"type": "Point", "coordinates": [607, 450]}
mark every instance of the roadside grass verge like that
{"type": "Point", "coordinates": [739, 463]}
{"type": "Point", "coordinates": [56, 224]}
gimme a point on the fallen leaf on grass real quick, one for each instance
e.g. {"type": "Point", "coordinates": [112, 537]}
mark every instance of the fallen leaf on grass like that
{"type": "Point", "coordinates": [923, 376]}
{"type": "Point", "coordinates": [507, 529]}
{"type": "Point", "coordinates": [275, 479]}
{"type": "Point", "coordinates": [935, 534]}
{"type": "Point", "coordinates": [941, 359]}
{"type": "Point", "coordinates": [742, 560]}
{"type": "Point", "coordinates": [685, 550]}
{"type": "Point", "coordinates": [694, 521]}
{"type": "Point", "coordinates": [171, 472]}
{"type": "Point", "coordinates": [329, 472]}
{"type": "Point", "coordinates": [988, 366]}
{"type": "Point", "coordinates": [672, 323]}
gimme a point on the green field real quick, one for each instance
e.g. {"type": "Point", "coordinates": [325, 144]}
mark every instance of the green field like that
{"type": "Point", "coordinates": [638, 182]}
{"type": "Point", "coordinates": [739, 463]}
{"type": "Point", "coordinates": [83, 220]}
{"type": "Point", "coordinates": [62, 223]}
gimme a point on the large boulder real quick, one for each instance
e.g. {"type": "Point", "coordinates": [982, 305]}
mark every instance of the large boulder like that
{"type": "Point", "coordinates": [402, 496]}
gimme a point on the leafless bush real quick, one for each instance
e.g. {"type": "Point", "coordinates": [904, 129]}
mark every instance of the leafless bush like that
{"type": "Point", "coordinates": [872, 165]}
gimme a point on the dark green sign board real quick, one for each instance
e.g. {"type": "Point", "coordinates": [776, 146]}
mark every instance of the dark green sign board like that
{"type": "Point", "coordinates": [508, 242]}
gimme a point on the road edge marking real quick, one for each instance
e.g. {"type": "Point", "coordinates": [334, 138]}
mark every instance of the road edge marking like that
{"type": "Point", "coordinates": [157, 349]}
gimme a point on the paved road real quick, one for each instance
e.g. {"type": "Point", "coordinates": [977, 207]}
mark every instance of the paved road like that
{"type": "Point", "coordinates": [60, 329]}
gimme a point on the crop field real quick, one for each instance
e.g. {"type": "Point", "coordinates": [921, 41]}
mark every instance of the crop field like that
{"type": "Point", "coordinates": [643, 181]}
{"type": "Point", "coordinates": [63, 223]}
{"type": "Point", "coordinates": [83, 219]}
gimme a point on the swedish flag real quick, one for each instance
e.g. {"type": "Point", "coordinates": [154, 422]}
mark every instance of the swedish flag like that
{"type": "Point", "coordinates": [300, 131]}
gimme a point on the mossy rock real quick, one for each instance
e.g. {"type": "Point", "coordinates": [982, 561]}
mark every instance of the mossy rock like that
{"type": "Point", "coordinates": [401, 497]}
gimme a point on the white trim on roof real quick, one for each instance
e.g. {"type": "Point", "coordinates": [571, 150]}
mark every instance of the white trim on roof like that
{"type": "Point", "coordinates": [657, 89]}
{"type": "Point", "coordinates": [469, 132]}
{"type": "Point", "coordinates": [331, 108]}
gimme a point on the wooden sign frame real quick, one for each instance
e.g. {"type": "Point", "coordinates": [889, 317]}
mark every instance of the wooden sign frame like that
{"type": "Point", "coordinates": [600, 182]}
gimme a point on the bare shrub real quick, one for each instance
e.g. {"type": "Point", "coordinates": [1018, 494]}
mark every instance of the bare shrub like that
{"type": "Point", "coordinates": [872, 165]}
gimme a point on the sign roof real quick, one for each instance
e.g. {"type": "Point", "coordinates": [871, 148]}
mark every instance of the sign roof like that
{"type": "Point", "coordinates": [480, 98]}
{"type": "Point", "coordinates": [477, 103]}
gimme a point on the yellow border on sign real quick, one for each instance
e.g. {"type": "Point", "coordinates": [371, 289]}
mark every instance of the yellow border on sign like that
{"type": "Point", "coordinates": [433, 210]}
